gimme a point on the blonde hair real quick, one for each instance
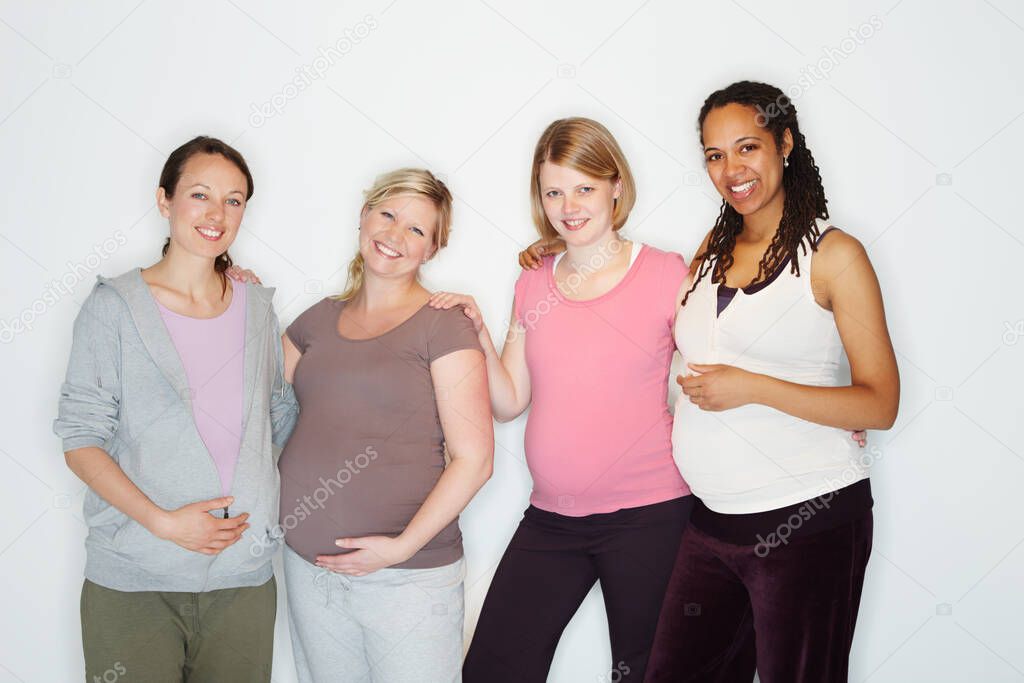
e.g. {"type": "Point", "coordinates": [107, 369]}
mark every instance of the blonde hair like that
{"type": "Point", "coordinates": [404, 181]}
{"type": "Point", "coordinates": [585, 146]}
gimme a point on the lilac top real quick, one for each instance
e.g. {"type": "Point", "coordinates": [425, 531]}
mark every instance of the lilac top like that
{"type": "Point", "coordinates": [212, 352]}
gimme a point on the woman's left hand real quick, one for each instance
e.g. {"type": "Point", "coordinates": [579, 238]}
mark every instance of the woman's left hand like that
{"type": "Point", "coordinates": [370, 554]}
{"type": "Point", "coordinates": [717, 387]}
{"type": "Point", "coordinates": [240, 274]}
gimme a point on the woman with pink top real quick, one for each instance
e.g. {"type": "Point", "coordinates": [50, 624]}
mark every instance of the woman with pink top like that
{"type": "Point", "coordinates": [590, 346]}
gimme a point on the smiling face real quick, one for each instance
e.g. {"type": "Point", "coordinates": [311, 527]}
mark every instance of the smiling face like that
{"type": "Point", "coordinates": [743, 161]}
{"type": "Point", "coordinates": [207, 206]}
{"type": "Point", "coordinates": [397, 235]}
{"type": "Point", "coordinates": [579, 206]}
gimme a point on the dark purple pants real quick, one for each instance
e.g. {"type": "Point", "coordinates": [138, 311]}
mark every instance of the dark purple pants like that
{"type": "Point", "coordinates": [789, 612]}
{"type": "Point", "coordinates": [551, 564]}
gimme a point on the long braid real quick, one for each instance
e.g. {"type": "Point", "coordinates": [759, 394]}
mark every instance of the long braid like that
{"type": "Point", "coordinates": [805, 196]}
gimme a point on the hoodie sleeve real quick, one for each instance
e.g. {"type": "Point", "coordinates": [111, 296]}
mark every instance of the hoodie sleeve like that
{"type": "Point", "coordinates": [284, 408]}
{"type": "Point", "coordinates": [89, 407]}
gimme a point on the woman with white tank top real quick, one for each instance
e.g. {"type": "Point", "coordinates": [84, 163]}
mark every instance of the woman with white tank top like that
{"type": "Point", "coordinates": [770, 570]}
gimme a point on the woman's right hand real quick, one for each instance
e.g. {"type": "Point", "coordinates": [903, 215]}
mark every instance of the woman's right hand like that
{"type": "Point", "coordinates": [243, 275]}
{"type": "Point", "coordinates": [194, 528]}
{"type": "Point", "coordinates": [530, 258]}
{"type": "Point", "coordinates": [446, 300]}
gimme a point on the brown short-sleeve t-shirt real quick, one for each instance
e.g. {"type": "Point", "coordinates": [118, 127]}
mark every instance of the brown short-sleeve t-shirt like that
{"type": "Point", "coordinates": [368, 445]}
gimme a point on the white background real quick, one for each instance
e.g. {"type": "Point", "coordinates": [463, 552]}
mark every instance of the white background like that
{"type": "Point", "coordinates": [917, 131]}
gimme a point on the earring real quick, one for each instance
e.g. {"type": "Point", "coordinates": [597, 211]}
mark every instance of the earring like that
{"type": "Point", "coordinates": [785, 162]}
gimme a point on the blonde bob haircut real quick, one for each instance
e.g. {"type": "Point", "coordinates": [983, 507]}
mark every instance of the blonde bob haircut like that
{"type": "Point", "coordinates": [416, 182]}
{"type": "Point", "coordinates": [585, 146]}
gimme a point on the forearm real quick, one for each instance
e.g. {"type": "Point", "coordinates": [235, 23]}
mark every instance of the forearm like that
{"type": "Point", "coordinates": [850, 407]}
{"type": "Point", "coordinates": [461, 479]}
{"type": "Point", "coordinates": [97, 469]}
{"type": "Point", "coordinates": [505, 402]}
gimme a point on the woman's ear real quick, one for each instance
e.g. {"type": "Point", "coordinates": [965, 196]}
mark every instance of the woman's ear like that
{"type": "Point", "coordinates": [787, 142]}
{"type": "Point", "coordinates": [163, 202]}
{"type": "Point", "coordinates": [617, 188]}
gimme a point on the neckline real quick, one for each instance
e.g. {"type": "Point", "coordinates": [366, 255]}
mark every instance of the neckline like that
{"type": "Point", "coordinates": [231, 304]}
{"type": "Point", "coordinates": [341, 307]}
{"type": "Point", "coordinates": [630, 273]}
{"type": "Point", "coordinates": [757, 286]}
{"type": "Point", "coordinates": [725, 296]}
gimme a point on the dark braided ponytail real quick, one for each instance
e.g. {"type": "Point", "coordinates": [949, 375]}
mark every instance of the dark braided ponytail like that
{"type": "Point", "coordinates": [805, 197]}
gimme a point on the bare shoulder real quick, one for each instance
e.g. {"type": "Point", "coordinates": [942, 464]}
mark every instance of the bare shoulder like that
{"type": "Point", "coordinates": [837, 252]}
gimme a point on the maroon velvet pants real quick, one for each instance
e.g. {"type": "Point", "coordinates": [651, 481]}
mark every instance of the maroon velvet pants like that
{"type": "Point", "coordinates": [788, 612]}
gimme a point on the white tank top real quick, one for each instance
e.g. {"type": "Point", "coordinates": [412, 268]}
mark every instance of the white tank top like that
{"type": "Point", "coordinates": [755, 458]}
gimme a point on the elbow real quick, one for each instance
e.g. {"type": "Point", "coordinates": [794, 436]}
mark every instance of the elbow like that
{"type": "Point", "coordinates": [889, 419]}
{"type": "Point", "coordinates": [486, 470]}
{"type": "Point", "coordinates": [73, 459]}
{"type": "Point", "coordinates": [886, 416]}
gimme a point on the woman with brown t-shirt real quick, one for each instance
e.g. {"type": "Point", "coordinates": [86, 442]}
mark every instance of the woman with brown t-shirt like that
{"type": "Point", "coordinates": [373, 563]}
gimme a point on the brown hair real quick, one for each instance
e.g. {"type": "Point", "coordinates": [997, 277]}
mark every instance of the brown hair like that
{"type": "Point", "coordinates": [171, 174]}
{"type": "Point", "coordinates": [586, 146]}
{"type": "Point", "coordinates": [404, 181]}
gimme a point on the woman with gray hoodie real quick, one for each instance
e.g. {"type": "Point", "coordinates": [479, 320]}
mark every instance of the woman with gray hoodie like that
{"type": "Point", "coordinates": [173, 396]}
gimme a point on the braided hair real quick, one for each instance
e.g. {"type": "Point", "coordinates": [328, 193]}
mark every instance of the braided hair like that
{"type": "Point", "coordinates": [804, 199]}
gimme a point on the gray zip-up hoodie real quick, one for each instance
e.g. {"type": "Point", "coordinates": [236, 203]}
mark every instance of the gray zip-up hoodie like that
{"type": "Point", "coordinates": [126, 392]}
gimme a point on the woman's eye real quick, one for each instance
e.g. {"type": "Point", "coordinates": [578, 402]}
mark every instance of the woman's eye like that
{"type": "Point", "coordinates": [198, 195]}
{"type": "Point", "coordinates": [748, 148]}
{"type": "Point", "coordinates": [234, 202]}
{"type": "Point", "coordinates": [551, 194]}
{"type": "Point", "coordinates": [417, 231]}
{"type": "Point", "coordinates": [586, 189]}
{"type": "Point", "coordinates": [387, 214]}
{"type": "Point", "coordinates": [712, 157]}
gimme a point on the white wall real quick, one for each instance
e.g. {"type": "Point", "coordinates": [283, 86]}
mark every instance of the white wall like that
{"type": "Point", "coordinates": [917, 130]}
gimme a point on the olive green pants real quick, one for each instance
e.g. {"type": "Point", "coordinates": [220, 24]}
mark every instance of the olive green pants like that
{"type": "Point", "coordinates": [219, 636]}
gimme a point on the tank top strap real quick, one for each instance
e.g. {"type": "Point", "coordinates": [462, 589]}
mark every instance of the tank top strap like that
{"type": "Point", "coordinates": [805, 254]}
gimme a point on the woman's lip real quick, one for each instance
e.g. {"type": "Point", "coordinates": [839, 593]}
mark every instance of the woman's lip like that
{"type": "Point", "coordinates": [745, 194]}
{"type": "Point", "coordinates": [377, 246]}
{"type": "Point", "coordinates": [210, 238]}
{"type": "Point", "coordinates": [575, 227]}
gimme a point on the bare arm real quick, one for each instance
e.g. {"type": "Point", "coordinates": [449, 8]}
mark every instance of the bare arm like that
{"type": "Point", "coordinates": [849, 284]}
{"type": "Point", "coordinates": [508, 377]}
{"type": "Point", "coordinates": [844, 280]}
{"type": "Point", "coordinates": [460, 384]}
